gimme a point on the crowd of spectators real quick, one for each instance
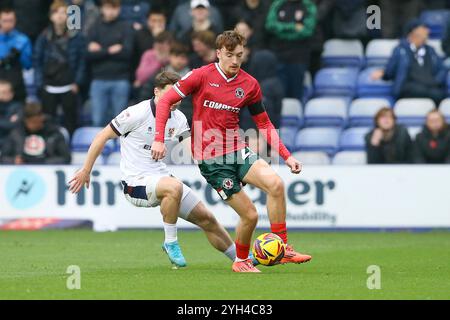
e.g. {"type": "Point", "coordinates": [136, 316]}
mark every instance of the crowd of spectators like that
{"type": "Point", "coordinates": [111, 61]}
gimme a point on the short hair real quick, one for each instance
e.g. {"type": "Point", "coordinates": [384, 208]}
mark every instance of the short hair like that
{"type": "Point", "coordinates": [32, 109]}
{"type": "Point", "coordinates": [56, 5]}
{"type": "Point", "coordinates": [156, 10]}
{"type": "Point", "coordinates": [230, 40]}
{"type": "Point", "coordinates": [382, 112]}
{"type": "Point", "coordinates": [112, 3]}
{"type": "Point", "coordinates": [6, 83]}
{"type": "Point", "coordinates": [7, 10]}
{"type": "Point", "coordinates": [179, 49]}
{"type": "Point", "coordinates": [165, 36]}
{"type": "Point", "coordinates": [207, 37]}
{"type": "Point", "coordinates": [165, 78]}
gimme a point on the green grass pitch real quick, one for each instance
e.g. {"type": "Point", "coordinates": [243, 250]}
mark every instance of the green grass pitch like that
{"type": "Point", "coordinates": [131, 265]}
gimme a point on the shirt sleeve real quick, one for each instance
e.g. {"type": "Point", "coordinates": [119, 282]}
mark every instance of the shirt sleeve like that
{"type": "Point", "coordinates": [126, 121]}
{"type": "Point", "coordinates": [183, 131]}
{"type": "Point", "coordinates": [189, 83]}
{"type": "Point", "coordinates": [256, 95]}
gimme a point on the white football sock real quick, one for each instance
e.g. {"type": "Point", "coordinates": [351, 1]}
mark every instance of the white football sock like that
{"type": "Point", "coordinates": [170, 231]}
{"type": "Point", "coordinates": [231, 252]}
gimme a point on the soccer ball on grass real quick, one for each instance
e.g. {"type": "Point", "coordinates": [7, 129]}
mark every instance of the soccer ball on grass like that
{"type": "Point", "coordinates": [268, 249]}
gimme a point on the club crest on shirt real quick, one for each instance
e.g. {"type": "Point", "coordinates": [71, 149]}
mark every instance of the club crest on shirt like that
{"type": "Point", "coordinates": [149, 130]}
{"type": "Point", "coordinates": [239, 93]}
{"type": "Point", "coordinates": [227, 183]}
{"type": "Point", "coordinates": [170, 132]}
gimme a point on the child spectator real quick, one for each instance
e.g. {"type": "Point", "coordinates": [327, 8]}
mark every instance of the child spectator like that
{"type": "Point", "coordinates": [9, 110]}
{"type": "Point", "coordinates": [388, 142]}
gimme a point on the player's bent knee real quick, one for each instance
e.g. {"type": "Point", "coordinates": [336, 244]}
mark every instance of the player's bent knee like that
{"type": "Point", "coordinates": [276, 187]}
{"type": "Point", "coordinates": [171, 187]}
{"type": "Point", "coordinates": [251, 216]}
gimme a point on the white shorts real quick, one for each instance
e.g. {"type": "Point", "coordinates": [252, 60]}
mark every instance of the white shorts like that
{"type": "Point", "coordinates": [141, 192]}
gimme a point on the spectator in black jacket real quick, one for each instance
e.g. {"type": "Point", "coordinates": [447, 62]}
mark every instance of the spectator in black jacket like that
{"type": "Point", "coordinates": [156, 23]}
{"type": "Point", "coordinates": [110, 47]}
{"type": "Point", "coordinates": [9, 110]}
{"type": "Point", "coordinates": [388, 142]}
{"type": "Point", "coordinates": [35, 141]}
{"type": "Point", "coordinates": [432, 145]}
{"type": "Point", "coordinates": [59, 64]}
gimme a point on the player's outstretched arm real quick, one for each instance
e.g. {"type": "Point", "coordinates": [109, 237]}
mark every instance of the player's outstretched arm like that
{"type": "Point", "coordinates": [266, 128]}
{"type": "Point", "coordinates": [82, 177]}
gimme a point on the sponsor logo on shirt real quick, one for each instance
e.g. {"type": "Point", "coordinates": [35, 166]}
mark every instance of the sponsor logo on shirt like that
{"type": "Point", "coordinates": [219, 106]}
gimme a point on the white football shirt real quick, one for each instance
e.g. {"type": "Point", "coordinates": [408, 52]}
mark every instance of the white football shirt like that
{"type": "Point", "coordinates": [136, 127]}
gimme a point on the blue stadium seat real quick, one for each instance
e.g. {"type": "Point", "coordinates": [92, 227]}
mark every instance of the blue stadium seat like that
{"type": "Point", "coordinates": [113, 158]}
{"type": "Point", "coordinates": [287, 135]}
{"type": "Point", "coordinates": [353, 139]}
{"type": "Point", "coordinates": [326, 112]}
{"type": "Point", "coordinates": [413, 131]}
{"type": "Point", "coordinates": [412, 111]}
{"type": "Point", "coordinates": [291, 112]}
{"type": "Point", "coordinates": [372, 88]}
{"type": "Point", "coordinates": [350, 158]}
{"type": "Point", "coordinates": [336, 82]}
{"type": "Point", "coordinates": [436, 44]}
{"type": "Point", "coordinates": [83, 137]}
{"type": "Point", "coordinates": [363, 110]}
{"type": "Point", "coordinates": [444, 107]}
{"type": "Point", "coordinates": [78, 157]}
{"type": "Point", "coordinates": [437, 21]}
{"type": "Point", "coordinates": [342, 53]}
{"type": "Point", "coordinates": [378, 51]}
{"type": "Point", "coordinates": [318, 139]}
{"type": "Point", "coordinates": [312, 157]}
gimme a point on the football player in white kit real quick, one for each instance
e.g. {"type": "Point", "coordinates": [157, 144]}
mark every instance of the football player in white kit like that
{"type": "Point", "coordinates": [148, 183]}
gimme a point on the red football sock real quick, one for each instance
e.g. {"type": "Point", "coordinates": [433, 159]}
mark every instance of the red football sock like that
{"type": "Point", "coordinates": [280, 230]}
{"type": "Point", "coordinates": [242, 251]}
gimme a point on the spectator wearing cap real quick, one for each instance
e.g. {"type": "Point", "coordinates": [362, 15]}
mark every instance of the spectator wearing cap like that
{"type": "Point", "coordinates": [201, 21]}
{"type": "Point", "coordinates": [432, 145]}
{"type": "Point", "coordinates": [415, 68]}
{"type": "Point", "coordinates": [388, 142]}
{"type": "Point", "coordinates": [181, 22]}
{"type": "Point", "coordinates": [35, 140]}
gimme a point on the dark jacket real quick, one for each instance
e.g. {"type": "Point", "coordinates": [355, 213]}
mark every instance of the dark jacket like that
{"type": "Point", "coordinates": [399, 64]}
{"type": "Point", "coordinates": [105, 66]}
{"type": "Point", "coordinates": [15, 55]}
{"type": "Point", "coordinates": [257, 18]}
{"type": "Point", "coordinates": [54, 150]}
{"type": "Point", "coordinates": [430, 149]}
{"type": "Point", "coordinates": [263, 66]}
{"type": "Point", "coordinates": [397, 150]}
{"type": "Point", "coordinates": [48, 52]}
{"type": "Point", "coordinates": [291, 46]}
{"type": "Point", "coordinates": [7, 110]}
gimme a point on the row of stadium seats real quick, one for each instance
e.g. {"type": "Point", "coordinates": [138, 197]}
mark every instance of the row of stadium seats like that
{"type": "Point", "coordinates": [342, 112]}
{"type": "Point", "coordinates": [350, 52]}
{"type": "Point", "coordinates": [325, 140]}
{"type": "Point", "coordinates": [330, 140]}
{"type": "Point", "coordinates": [306, 157]}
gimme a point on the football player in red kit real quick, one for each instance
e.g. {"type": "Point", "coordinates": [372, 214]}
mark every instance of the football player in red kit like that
{"type": "Point", "coordinates": [219, 92]}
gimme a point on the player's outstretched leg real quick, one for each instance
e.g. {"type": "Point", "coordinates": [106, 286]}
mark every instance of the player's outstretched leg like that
{"type": "Point", "coordinates": [245, 208]}
{"type": "Point", "coordinates": [262, 176]}
{"type": "Point", "coordinates": [169, 191]}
